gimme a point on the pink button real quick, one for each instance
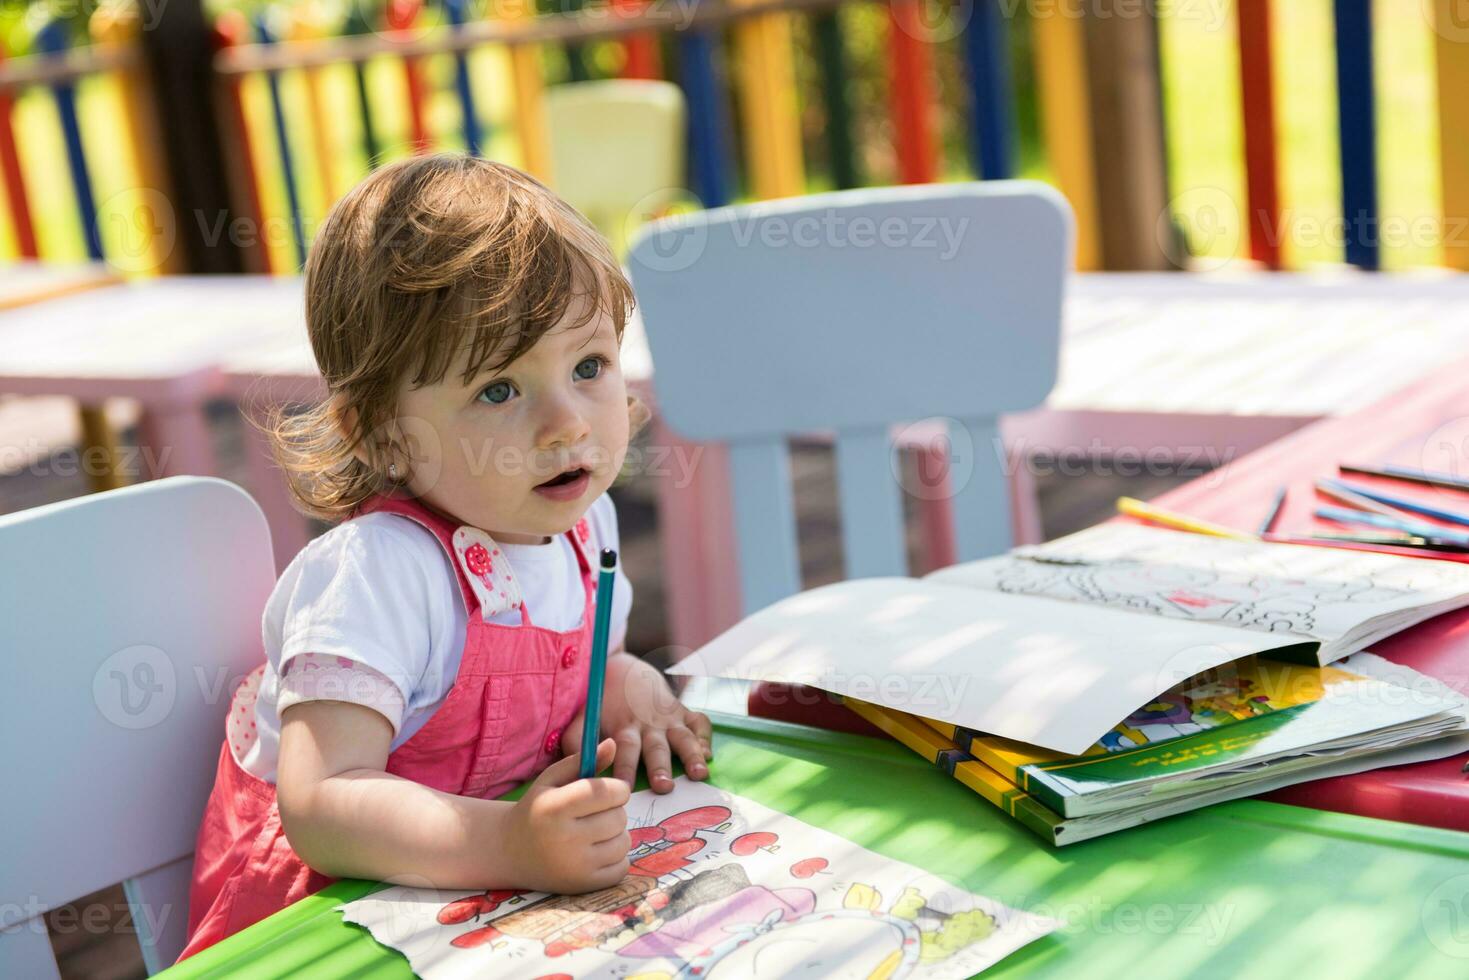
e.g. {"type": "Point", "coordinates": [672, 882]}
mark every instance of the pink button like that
{"type": "Point", "coordinates": [552, 741]}
{"type": "Point", "coordinates": [568, 657]}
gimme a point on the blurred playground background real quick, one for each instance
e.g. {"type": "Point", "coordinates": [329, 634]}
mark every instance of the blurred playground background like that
{"type": "Point", "coordinates": [909, 108]}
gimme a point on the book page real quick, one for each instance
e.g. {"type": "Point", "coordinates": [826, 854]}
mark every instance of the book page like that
{"type": "Point", "coordinates": [1325, 594]}
{"type": "Point", "coordinates": [1054, 674]}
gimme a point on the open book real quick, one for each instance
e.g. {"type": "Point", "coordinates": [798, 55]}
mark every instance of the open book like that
{"type": "Point", "coordinates": [1054, 645]}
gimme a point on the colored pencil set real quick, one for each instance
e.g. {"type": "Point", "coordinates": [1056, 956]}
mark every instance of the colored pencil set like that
{"type": "Point", "coordinates": [1377, 520]}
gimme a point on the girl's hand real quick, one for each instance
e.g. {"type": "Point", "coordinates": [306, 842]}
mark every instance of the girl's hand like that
{"type": "Point", "coordinates": [570, 834]}
{"type": "Point", "coordinates": [648, 721]}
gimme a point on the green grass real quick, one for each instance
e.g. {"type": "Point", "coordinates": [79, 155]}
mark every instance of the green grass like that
{"type": "Point", "coordinates": [1202, 116]}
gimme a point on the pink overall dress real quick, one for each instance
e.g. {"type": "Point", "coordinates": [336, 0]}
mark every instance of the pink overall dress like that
{"type": "Point", "coordinates": [517, 688]}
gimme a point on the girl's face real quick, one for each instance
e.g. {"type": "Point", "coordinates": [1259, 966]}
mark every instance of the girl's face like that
{"type": "Point", "coordinates": [521, 452]}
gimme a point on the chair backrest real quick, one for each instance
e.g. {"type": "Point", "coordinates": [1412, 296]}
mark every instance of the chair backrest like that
{"type": "Point", "coordinates": [851, 312]}
{"type": "Point", "coordinates": [617, 150]}
{"type": "Point", "coordinates": [130, 617]}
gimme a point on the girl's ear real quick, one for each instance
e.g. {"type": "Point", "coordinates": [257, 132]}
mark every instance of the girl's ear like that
{"type": "Point", "coordinates": [638, 415]}
{"type": "Point", "coordinates": [344, 416]}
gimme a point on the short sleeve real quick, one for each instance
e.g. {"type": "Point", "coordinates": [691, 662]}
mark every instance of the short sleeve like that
{"type": "Point", "coordinates": [322, 677]}
{"type": "Point", "coordinates": [602, 523]}
{"type": "Point", "coordinates": [372, 591]}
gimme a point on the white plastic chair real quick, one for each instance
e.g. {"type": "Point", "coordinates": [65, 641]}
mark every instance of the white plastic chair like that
{"type": "Point", "coordinates": [130, 616]}
{"type": "Point", "coordinates": [617, 150]}
{"type": "Point", "coordinates": [849, 312]}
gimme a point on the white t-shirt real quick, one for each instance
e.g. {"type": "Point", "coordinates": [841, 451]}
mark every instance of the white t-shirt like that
{"type": "Point", "coordinates": [381, 590]}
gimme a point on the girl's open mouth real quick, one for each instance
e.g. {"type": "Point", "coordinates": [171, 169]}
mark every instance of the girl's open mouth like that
{"type": "Point", "coordinates": [566, 486]}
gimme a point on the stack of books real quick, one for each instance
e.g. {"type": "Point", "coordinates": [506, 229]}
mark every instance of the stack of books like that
{"type": "Point", "coordinates": [1236, 731]}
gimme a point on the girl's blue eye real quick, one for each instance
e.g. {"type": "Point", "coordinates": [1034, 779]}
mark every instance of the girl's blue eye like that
{"type": "Point", "coordinates": [498, 393]}
{"type": "Point", "coordinates": [589, 368]}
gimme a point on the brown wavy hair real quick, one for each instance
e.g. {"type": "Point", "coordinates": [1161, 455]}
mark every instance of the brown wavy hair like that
{"type": "Point", "coordinates": [425, 259]}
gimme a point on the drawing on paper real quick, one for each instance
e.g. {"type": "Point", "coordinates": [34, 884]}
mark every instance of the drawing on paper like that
{"type": "Point", "coordinates": [716, 889]}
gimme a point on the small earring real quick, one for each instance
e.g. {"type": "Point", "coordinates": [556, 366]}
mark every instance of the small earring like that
{"type": "Point", "coordinates": [392, 471]}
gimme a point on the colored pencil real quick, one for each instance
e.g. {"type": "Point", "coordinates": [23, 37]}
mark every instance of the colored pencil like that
{"type": "Point", "coordinates": [1182, 522]}
{"type": "Point", "coordinates": [601, 629]}
{"type": "Point", "coordinates": [1409, 475]}
{"type": "Point", "coordinates": [1276, 506]}
{"type": "Point", "coordinates": [1402, 503]}
{"type": "Point", "coordinates": [1344, 516]}
{"type": "Point", "coordinates": [1338, 491]}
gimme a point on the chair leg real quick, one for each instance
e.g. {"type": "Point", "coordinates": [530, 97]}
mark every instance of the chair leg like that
{"type": "Point", "coordinates": [935, 506]}
{"type": "Point", "coordinates": [696, 538]}
{"type": "Point", "coordinates": [25, 950]}
{"type": "Point", "coordinates": [159, 903]}
{"type": "Point", "coordinates": [99, 443]}
{"type": "Point", "coordinates": [174, 439]}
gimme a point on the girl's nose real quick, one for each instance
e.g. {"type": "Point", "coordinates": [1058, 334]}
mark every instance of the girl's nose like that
{"type": "Point", "coordinates": [563, 424]}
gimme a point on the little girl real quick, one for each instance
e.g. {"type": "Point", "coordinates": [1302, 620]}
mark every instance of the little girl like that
{"type": "Point", "coordinates": [429, 653]}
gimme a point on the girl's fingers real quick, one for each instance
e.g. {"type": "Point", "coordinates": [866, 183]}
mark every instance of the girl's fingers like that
{"type": "Point", "coordinates": [657, 761]}
{"type": "Point", "coordinates": [609, 851]}
{"type": "Point", "coordinates": [699, 724]}
{"type": "Point", "coordinates": [629, 749]}
{"type": "Point", "coordinates": [690, 751]}
{"type": "Point", "coordinates": [602, 826]}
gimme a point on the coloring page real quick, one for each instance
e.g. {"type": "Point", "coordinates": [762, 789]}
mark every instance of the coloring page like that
{"type": "Point", "coordinates": [720, 887]}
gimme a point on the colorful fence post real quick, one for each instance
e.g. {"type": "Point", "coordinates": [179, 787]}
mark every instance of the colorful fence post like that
{"type": "Point", "coordinates": [462, 82]}
{"type": "Point", "coordinates": [51, 39]}
{"type": "Point", "coordinates": [117, 27]}
{"type": "Point", "coordinates": [308, 24]}
{"type": "Point", "coordinates": [530, 108]}
{"type": "Point", "coordinates": [1356, 116]}
{"type": "Point", "coordinates": [771, 124]}
{"type": "Point", "coordinates": [640, 51]}
{"type": "Point", "coordinates": [1061, 74]}
{"type": "Point", "coordinates": [231, 28]}
{"type": "Point", "coordinates": [831, 57]}
{"type": "Point", "coordinates": [987, 52]}
{"type": "Point", "coordinates": [1451, 49]}
{"type": "Point", "coordinates": [1127, 133]}
{"type": "Point", "coordinates": [283, 145]}
{"type": "Point", "coordinates": [910, 92]}
{"type": "Point", "coordinates": [1257, 93]}
{"type": "Point", "coordinates": [15, 186]}
{"type": "Point", "coordinates": [575, 51]}
{"type": "Point", "coordinates": [357, 24]}
{"type": "Point", "coordinates": [708, 118]}
{"type": "Point", "coordinates": [400, 16]}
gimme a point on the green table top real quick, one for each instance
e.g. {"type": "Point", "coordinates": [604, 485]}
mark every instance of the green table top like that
{"type": "Point", "coordinates": [1243, 888]}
